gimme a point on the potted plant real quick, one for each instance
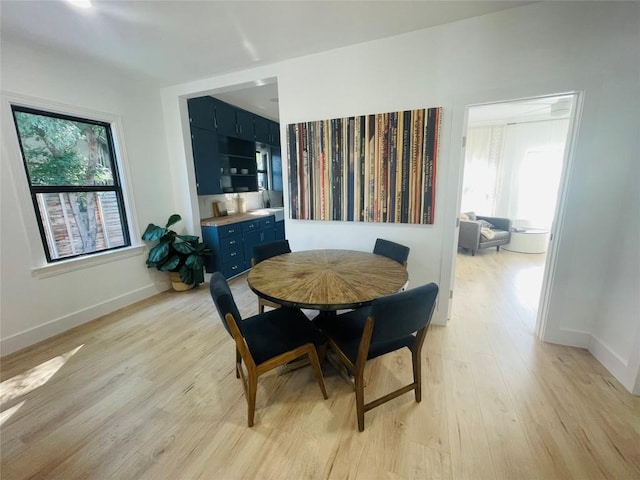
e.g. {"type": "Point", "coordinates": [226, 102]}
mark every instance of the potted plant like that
{"type": "Point", "coordinates": [181, 255]}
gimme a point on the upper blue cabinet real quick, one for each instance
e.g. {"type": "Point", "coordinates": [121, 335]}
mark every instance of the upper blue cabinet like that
{"type": "Point", "coordinates": [206, 160]}
{"type": "Point", "coordinates": [267, 131]}
{"type": "Point", "coordinates": [274, 133]}
{"type": "Point", "coordinates": [212, 114]}
{"type": "Point", "coordinates": [223, 141]}
{"type": "Point", "coordinates": [225, 118]}
{"type": "Point", "coordinates": [244, 125]}
{"type": "Point", "coordinates": [262, 129]}
{"type": "Point", "coordinates": [202, 113]}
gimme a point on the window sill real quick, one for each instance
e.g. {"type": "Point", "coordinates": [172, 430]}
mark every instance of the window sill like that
{"type": "Point", "coordinates": [66, 266]}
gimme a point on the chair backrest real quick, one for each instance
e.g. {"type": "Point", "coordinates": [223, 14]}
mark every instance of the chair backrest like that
{"type": "Point", "coordinates": [392, 250]}
{"type": "Point", "coordinates": [401, 314]}
{"type": "Point", "coordinates": [223, 299]}
{"type": "Point", "coordinates": [271, 249]}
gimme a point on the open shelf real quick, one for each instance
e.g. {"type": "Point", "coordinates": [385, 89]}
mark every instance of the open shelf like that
{"type": "Point", "coordinates": [240, 157]}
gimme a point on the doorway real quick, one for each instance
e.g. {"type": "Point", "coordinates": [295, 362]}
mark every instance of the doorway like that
{"type": "Point", "coordinates": [514, 164]}
{"type": "Point", "coordinates": [260, 98]}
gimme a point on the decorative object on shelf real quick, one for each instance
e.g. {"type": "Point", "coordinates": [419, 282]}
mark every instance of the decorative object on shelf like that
{"type": "Point", "coordinates": [371, 168]}
{"type": "Point", "coordinates": [182, 255]}
{"type": "Point", "coordinates": [244, 171]}
{"type": "Point", "coordinates": [233, 171]}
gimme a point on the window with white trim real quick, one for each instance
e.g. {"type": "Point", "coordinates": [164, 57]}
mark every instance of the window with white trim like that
{"type": "Point", "coordinates": [73, 177]}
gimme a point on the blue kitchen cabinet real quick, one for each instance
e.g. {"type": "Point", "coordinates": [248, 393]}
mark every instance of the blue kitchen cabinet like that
{"type": "Point", "coordinates": [206, 161]}
{"type": "Point", "coordinates": [233, 244]}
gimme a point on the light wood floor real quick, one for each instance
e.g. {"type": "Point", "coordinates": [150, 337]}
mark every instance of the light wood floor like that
{"type": "Point", "coordinates": [149, 393]}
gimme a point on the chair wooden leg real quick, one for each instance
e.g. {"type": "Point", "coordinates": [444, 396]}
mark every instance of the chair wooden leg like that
{"type": "Point", "coordinates": [252, 389]}
{"type": "Point", "coordinates": [315, 363]}
{"type": "Point", "coordinates": [417, 374]}
{"type": "Point", "coordinates": [238, 363]}
{"type": "Point", "coordinates": [359, 380]}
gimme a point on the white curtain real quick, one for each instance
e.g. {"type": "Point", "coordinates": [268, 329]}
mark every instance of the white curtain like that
{"type": "Point", "coordinates": [533, 154]}
{"type": "Point", "coordinates": [514, 171]}
{"type": "Point", "coordinates": [537, 186]}
{"type": "Point", "coordinates": [482, 168]}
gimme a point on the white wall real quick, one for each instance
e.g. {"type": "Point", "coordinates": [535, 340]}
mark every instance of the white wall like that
{"type": "Point", "coordinates": [539, 49]}
{"type": "Point", "coordinates": [491, 57]}
{"type": "Point", "coordinates": [616, 334]}
{"type": "Point", "coordinates": [34, 308]}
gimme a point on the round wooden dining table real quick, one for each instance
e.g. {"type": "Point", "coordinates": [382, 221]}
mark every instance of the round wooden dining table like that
{"type": "Point", "coordinates": [326, 280]}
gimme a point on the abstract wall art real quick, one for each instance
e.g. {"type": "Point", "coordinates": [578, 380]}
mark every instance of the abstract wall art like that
{"type": "Point", "coordinates": [370, 168]}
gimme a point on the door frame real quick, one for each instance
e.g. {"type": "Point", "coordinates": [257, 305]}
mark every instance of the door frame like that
{"type": "Point", "coordinates": [542, 318]}
{"type": "Point", "coordinates": [461, 120]}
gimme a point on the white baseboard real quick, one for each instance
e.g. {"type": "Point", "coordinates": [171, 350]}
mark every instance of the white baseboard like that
{"type": "Point", "coordinates": [570, 338]}
{"type": "Point", "coordinates": [62, 324]}
{"type": "Point", "coordinates": [626, 374]}
{"type": "Point", "coordinates": [616, 365]}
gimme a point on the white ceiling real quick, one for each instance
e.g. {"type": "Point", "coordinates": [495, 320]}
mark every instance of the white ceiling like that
{"type": "Point", "coordinates": [172, 42]}
{"type": "Point", "coordinates": [261, 100]}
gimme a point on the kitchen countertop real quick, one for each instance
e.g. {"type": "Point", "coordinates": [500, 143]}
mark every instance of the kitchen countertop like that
{"type": "Point", "coordinates": [242, 217]}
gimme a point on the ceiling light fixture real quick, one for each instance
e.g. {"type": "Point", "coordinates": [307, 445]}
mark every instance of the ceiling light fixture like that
{"type": "Point", "coordinates": [80, 3]}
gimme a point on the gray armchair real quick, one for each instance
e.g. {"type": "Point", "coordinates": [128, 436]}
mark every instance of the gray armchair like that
{"type": "Point", "coordinates": [470, 238]}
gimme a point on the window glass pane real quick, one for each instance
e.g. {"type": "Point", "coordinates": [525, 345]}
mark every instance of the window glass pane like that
{"type": "Point", "coordinates": [64, 152]}
{"type": "Point", "coordinates": [77, 223]}
{"type": "Point", "coordinates": [260, 161]}
{"type": "Point", "coordinates": [263, 181]}
{"type": "Point", "coordinates": [71, 165]}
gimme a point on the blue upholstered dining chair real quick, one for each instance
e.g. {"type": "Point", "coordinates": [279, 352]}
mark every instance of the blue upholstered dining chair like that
{"type": "Point", "coordinates": [388, 324]}
{"type": "Point", "coordinates": [392, 250]}
{"type": "Point", "coordinates": [262, 252]}
{"type": "Point", "coordinates": [265, 341]}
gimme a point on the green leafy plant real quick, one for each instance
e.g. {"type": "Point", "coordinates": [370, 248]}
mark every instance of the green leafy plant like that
{"type": "Point", "coordinates": [176, 253]}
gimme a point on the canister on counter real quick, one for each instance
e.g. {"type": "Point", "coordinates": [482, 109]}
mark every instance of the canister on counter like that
{"type": "Point", "coordinates": [241, 205]}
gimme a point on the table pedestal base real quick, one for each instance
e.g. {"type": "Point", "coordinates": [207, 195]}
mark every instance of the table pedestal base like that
{"type": "Point", "coordinates": [293, 365]}
{"type": "Point", "coordinates": [341, 369]}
